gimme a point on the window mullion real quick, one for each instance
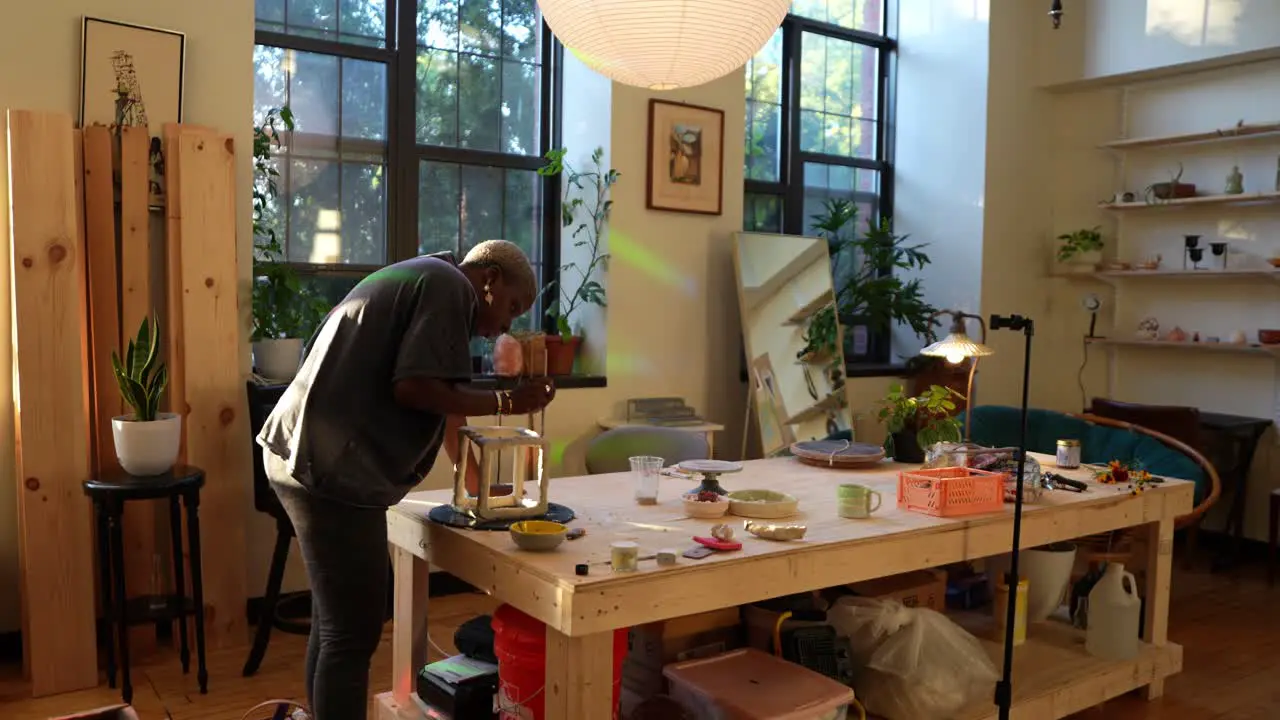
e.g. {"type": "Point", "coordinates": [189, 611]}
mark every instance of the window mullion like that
{"type": "Point", "coordinates": [402, 165]}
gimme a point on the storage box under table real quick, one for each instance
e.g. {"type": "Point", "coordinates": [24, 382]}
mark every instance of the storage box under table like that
{"type": "Point", "coordinates": [748, 684]}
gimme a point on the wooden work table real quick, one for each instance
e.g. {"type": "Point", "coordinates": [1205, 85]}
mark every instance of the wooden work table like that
{"type": "Point", "coordinates": [1053, 676]}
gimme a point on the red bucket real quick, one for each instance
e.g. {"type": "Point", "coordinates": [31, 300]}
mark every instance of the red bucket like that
{"type": "Point", "coordinates": [520, 642]}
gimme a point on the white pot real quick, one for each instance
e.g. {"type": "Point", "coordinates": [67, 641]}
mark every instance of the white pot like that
{"type": "Point", "coordinates": [1047, 571]}
{"type": "Point", "coordinates": [147, 448]}
{"type": "Point", "coordinates": [1085, 262]}
{"type": "Point", "coordinates": [277, 359]}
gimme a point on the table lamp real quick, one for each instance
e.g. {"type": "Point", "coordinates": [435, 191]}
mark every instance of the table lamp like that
{"type": "Point", "coordinates": [957, 346]}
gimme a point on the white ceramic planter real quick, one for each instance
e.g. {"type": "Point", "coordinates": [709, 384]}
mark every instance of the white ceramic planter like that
{"type": "Point", "coordinates": [1047, 571]}
{"type": "Point", "coordinates": [278, 359]}
{"type": "Point", "coordinates": [1085, 262]}
{"type": "Point", "coordinates": [147, 448]}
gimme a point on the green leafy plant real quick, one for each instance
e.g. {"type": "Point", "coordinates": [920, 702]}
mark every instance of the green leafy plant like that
{"type": "Point", "coordinates": [930, 416]}
{"type": "Point", "coordinates": [869, 286]}
{"type": "Point", "coordinates": [820, 335]}
{"type": "Point", "coordinates": [141, 376]}
{"type": "Point", "coordinates": [586, 194]}
{"type": "Point", "coordinates": [1081, 241]}
{"type": "Point", "coordinates": [282, 306]}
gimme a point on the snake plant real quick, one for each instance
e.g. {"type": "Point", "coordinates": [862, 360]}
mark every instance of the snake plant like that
{"type": "Point", "coordinates": [142, 377]}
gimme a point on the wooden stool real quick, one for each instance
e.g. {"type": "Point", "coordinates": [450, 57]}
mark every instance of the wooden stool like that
{"type": "Point", "coordinates": [109, 494]}
{"type": "Point", "coordinates": [1273, 537]}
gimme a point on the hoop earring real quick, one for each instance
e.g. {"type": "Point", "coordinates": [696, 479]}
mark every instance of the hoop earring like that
{"type": "Point", "coordinates": [488, 296]}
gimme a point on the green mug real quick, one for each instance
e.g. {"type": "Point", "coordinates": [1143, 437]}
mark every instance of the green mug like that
{"type": "Point", "coordinates": [856, 501]}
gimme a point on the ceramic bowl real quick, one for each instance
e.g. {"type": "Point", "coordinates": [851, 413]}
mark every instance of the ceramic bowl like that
{"type": "Point", "coordinates": [537, 535]}
{"type": "Point", "coordinates": [1269, 337]}
{"type": "Point", "coordinates": [706, 510]}
{"type": "Point", "coordinates": [762, 504]}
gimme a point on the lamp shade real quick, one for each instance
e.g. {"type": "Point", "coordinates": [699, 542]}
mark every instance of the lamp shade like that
{"type": "Point", "coordinates": [664, 44]}
{"type": "Point", "coordinates": [956, 347]}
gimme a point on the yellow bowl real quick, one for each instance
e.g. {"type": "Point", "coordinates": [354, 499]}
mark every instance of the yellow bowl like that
{"type": "Point", "coordinates": [537, 535]}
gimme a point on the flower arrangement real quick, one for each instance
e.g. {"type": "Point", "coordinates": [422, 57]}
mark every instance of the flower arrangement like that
{"type": "Point", "coordinates": [1118, 472]}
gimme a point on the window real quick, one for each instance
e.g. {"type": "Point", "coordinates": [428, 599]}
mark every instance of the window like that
{"type": "Point", "coordinates": [420, 128]}
{"type": "Point", "coordinates": [818, 127]}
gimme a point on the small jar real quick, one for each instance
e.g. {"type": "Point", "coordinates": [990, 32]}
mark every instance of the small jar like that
{"type": "Point", "coordinates": [1068, 453]}
{"type": "Point", "coordinates": [624, 556]}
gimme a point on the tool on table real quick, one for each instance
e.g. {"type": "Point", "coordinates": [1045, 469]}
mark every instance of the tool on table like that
{"type": "Point", "coordinates": [575, 533]}
{"type": "Point", "coordinates": [719, 545]}
{"type": "Point", "coordinates": [1054, 481]}
{"type": "Point", "coordinates": [697, 552]}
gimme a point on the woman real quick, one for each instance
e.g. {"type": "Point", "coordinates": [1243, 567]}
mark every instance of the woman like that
{"type": "Point", "coordinates": [383, 386]}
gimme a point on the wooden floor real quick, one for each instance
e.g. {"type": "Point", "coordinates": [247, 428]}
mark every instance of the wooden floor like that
{"type": "Point", "coordinates": [1229, 627]}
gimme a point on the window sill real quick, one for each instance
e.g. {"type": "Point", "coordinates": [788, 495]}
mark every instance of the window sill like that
{"type": "Point", "coordinates": [563, 382]}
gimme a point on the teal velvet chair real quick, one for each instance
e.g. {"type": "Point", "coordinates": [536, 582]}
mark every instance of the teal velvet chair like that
{"type": "Point", "coordinates": [1101, 440]}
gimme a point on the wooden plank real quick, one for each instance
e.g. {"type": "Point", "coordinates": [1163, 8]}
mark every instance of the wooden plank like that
{"type": "Point", "coordinates": [51, 404]}
{"type": "Point", "coordinates": [173, 274]}
{"type": "Point", "coordinates": [135, 238]}
{"type": "Point", "coordinates": [217, 420]}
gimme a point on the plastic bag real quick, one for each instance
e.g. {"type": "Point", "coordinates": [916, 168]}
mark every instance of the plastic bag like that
{"type": "Point", "coordinates": [912, 663]}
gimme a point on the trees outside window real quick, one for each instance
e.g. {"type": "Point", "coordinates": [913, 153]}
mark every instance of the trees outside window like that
{"type": "Point", "coordinates": [420, 128]}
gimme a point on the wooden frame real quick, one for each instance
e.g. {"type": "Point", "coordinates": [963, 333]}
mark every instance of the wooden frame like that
{"type": "Point", "coordinates": [1054, 676]}
{"type": "Point", "coordinates": [693, 181]}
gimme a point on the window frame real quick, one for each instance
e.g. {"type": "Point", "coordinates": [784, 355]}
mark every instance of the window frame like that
{"type": "Point", "coordinates": [789, 189]}
{"type": "Point", "coordinates": [404, 153]}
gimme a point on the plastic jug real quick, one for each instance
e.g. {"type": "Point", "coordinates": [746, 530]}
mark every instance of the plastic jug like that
{"type": "Point", "coordinates": [1114, 614]}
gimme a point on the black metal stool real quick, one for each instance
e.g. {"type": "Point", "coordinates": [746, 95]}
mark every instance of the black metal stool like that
{"type": "Point", "coordinates": [109, 494]}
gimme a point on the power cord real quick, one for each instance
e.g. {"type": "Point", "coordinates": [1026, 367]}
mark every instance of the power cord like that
{"type": "Point", "coordinates": [1084, 400]}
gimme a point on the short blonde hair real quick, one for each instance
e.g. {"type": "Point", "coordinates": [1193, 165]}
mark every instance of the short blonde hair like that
{"type": "Point", "coordinates": [511, 261]}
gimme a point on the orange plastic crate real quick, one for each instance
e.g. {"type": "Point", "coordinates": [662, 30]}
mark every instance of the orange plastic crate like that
{"type": "Point", "coordinates": [951, 491]}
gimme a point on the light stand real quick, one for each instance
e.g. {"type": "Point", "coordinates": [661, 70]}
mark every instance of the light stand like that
{"type": "Point", "coordinates": [1004, 688]}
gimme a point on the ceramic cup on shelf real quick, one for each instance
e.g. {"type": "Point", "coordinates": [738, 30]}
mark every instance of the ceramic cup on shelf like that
{"type": "Point", "coordinates": [856, 502]}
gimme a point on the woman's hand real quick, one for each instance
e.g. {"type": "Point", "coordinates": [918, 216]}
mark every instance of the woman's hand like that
{"type": "Point", "coordinates": [532, 396]}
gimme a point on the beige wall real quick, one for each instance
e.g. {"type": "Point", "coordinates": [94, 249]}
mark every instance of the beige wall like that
{"type": "Point", "coordinates": [40, 54]}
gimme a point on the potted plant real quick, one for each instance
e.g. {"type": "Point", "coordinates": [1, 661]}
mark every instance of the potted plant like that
{"type": "Point", "coordinates": [869, 291]}
{"type": "Point", "coordinates": [1081, 250]}
{"type": "Point", "coordinates": [585, 193]}
{"type": "Point", "coordinates": [285, 312]}
{"type": "Point", "coordinates": [917, 422]}
{"type": "Point", "coordinates": [146, 440]}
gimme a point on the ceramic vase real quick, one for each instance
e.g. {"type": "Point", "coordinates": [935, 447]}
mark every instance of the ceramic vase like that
{"type": "Point", "coordinates": [1047, 571]}
{"type": "Point", "coordinates": [278, 359]}
{"type": "Point", "coordinates": [147, 448]}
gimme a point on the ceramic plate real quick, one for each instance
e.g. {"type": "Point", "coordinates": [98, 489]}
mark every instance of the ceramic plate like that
{"type": "Point", "coordinates": [837, 453]}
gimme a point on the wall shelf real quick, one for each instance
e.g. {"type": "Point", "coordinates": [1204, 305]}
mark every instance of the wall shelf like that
{"type": "Point", "coordinates": [809, 309]}
{"type": "Point", "coordinates": [822, 407]}
{"type": "Point", "coordinates": [1164, 72]}
{"type": "Point", "coordinates": [1239, 132]}
{"type": "Point", "coordinates": [1256, 198]}
{"type": "Point", "coordinates": [1111, 277]}
{"type": "Point", "coordinates": [1272, 351]}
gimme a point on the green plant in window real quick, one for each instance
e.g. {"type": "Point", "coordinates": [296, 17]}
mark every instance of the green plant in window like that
{"type": "Point", "coordinates": [282, 306]}
{"type": "Point", "coordinates": [585, 208]}
{"type": "Point", "coordinates": [867, 268]}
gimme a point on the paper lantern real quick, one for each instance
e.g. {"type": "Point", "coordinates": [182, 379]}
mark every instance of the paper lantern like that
{"type": "Point", "coordinates": [664, 44]}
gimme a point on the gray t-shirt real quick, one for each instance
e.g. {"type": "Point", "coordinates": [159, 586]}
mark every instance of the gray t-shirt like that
{"type": "Point", "coordinates": [338, 426]}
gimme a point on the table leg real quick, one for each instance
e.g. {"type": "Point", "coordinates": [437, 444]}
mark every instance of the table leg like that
{"type": "Point", "coordinates": [409, 629]}
{"type": "Point", "coordinates": [179, 582]}
{"type": "Point", "coordinates": [579, 680]}
{"type": "Point", "coordinates": [108, 588]}
{"type": "Point", "coordinates": [192, 501]}
{"type": "Point", "coordinates": [115, 530]}
{"type": "Point", "coordinates": [1159, 581]}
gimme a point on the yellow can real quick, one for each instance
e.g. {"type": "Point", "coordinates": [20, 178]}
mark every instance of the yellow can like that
{"type": "Point", "coordinates": [1001, 607]}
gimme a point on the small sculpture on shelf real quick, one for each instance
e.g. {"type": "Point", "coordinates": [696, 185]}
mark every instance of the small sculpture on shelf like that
{"type": "Point", "coordinates": [1219, 249]}
{"type": "Point", "coordinates": [1177, 334]}
{"type": "Point", "coordinates": [1148, 329]}
{"type": "Point", "coordinates": [1151, 263]}
{"type": "Point", "coordinates": [1192, 251]}
{"type": "Point", "coordinates": [1238, 338]}
{"type": "Point", "coordinates": [1235, 181]}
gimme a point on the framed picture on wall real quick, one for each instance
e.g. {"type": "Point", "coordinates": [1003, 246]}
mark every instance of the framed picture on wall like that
{"type": "Point", "coordinates": [686, 158]}
{"type": "Point", "coordinates": [132, 75]}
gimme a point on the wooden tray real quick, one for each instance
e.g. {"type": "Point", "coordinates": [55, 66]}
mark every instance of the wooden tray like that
{"type": "Point", "coordinates": [837, 454]}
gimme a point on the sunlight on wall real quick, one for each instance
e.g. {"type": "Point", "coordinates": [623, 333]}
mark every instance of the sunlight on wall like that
{"type": "Point", "coordinates": [1195, 22]}
{"type": "Point", "coordinates": [626, 250]}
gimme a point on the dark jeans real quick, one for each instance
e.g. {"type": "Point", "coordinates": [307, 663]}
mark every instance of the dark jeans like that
{"type": "Point", "coordinates": [344, 548]}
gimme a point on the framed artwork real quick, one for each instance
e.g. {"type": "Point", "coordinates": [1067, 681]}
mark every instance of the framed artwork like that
{"type": "Point", "coordinates": [132, 75]}
{"type": "Point", "coordinates": [686, 158]}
